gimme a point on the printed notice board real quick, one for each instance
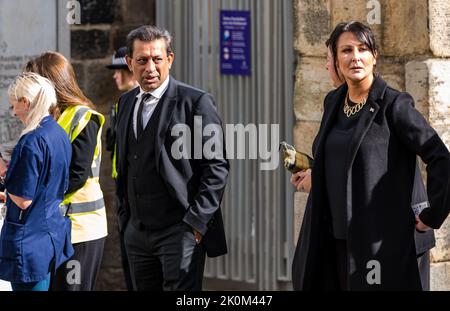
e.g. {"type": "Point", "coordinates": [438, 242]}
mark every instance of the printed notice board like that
{"type": "Point", "coordinates": [235, 43]}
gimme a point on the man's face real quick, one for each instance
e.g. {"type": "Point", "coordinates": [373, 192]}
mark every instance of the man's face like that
{"type": "Point", "coordinates": [150, 63]}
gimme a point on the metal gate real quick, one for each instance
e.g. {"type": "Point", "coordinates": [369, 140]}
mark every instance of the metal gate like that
{"type": "Point", "coordinates": [258, 205]}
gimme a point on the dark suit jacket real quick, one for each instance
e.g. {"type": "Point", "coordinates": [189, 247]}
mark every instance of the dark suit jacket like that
{"type": "Point", "coordinates": [381, 169]}
{"type": "Point", "coordinates": [197, 184]}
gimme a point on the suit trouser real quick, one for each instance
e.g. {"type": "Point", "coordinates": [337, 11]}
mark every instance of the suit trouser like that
{"type": "Point", "coordinates": [125, 264]}
{"type": "Point", "coordinates": [167, 259]}
{"type": "Point", "coordinates": [341, 263]}
{"type": "Point", "coordinates": [80, 272]}
{"type": "Point", "coordinates": [423, 260]}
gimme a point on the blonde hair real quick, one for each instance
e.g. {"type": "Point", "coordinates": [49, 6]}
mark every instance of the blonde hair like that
{"type": "Point", "coordinates": [41, 94]}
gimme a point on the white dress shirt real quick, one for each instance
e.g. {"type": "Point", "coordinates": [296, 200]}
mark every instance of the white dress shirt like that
{"type": "Point", "coordinates": [149, 105]}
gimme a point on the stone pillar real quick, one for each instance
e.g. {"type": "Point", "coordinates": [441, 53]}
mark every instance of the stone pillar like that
{"type": "Point", "coordinates": [103, 29]}
{"type": "Point", "coordinates": [428, 82]}
{"type": "Point", "coordinates": [414, 58]}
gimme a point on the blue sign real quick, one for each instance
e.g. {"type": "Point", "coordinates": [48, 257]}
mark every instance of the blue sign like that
{"type": "Point", "coordinates": [235, 43]}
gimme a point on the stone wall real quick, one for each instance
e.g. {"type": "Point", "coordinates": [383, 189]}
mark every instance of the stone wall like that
{"type": "Point", "coordinates": [104, 26]}
{"type": "Point", "coordinates": [415, 45]}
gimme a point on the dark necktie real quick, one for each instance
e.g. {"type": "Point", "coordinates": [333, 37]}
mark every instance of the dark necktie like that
{"type": "Point", "coordinates": [139, 117]}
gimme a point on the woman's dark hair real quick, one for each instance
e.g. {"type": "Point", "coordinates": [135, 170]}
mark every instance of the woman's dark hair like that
{"type": "Point", "coordinates": [362, 32]}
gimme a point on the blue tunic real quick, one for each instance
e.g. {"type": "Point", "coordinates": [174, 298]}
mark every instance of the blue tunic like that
{"type": "Point", "coordinates": [36, 240]}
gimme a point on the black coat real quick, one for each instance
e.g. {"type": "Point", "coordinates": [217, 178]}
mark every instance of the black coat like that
{"type": "Point", "coordinates": [380, 178]}
{"type": "Point", "coordinates": [197, 184]}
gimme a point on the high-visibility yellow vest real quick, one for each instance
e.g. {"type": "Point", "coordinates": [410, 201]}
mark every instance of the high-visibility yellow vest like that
{"type": "Point", "coordinates": [85, 207]}
{"type": "Point", "coordinates": [114, 159]}
{"type": "Point", "coordinates": [114, 165]}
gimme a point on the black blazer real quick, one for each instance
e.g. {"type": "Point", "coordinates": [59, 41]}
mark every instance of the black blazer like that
{"type": "Point", "coordinates": [197, 184]}
{"type": "Point", "coordinates": [380, 178]}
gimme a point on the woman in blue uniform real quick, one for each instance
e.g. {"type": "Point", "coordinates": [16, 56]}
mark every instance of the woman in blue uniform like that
{"type": "Point", "coordinates": [35, 237]}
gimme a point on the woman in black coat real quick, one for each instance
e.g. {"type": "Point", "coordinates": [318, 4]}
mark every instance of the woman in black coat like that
{"type": "Point", "coordinates": [358, 228]}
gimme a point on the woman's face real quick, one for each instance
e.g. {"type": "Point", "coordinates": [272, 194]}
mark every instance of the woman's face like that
{"type": "Point", "coordinates": [124, 79]}
{"type": "Point", "coordinates": [19, 108]}
{"type": "Point", "coordinates": [354, 59]}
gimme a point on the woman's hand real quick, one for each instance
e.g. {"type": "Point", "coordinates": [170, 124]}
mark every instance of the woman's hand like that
{"type": "Point", "coordinates": [420, 226]}
{"type": "Point", "coordinates": [302, 180]}
{"type": "Point", "coordinates": [198, 236]}
{"type": "Point", "coordinates": [21, 203]}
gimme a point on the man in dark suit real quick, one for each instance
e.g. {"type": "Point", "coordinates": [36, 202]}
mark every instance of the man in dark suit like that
{"type": "Point", "coordinates": [170, 205]}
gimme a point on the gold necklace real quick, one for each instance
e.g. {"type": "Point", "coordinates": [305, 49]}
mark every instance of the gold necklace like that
{"type": "Point", "coordinates": [352, 110]}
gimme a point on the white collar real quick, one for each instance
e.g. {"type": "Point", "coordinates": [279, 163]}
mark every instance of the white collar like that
{"type": "Point", "coordinates": [157, 93]}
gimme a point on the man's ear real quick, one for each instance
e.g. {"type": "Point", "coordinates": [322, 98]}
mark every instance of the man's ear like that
{"type": "Point", "coordinates": [129, 60]}
{"type": "Point", "coordinates": [170, 59]}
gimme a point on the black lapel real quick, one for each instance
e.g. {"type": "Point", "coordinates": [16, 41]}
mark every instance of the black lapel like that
{"type": "Point", "coordinates": [330, 110]}
{"type": "Point", "coordinates": [168, 102]}
{"type": "Point", "coordinates": [126, 124]}
{"type": "Point", "coordinates": [367, 116]}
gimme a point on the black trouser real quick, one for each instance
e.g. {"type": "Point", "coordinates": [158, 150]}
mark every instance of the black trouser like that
{"type": "Point", "coordinates": [80, 272]}
{"type": "Point", "coordinates": [341, 263]}
{"type": "Point", "coordinates": [168, 259]}
{"type": "Point", "coordinates": [125, 264]}
{"type": "Point", "coordinates": [423, 260]}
